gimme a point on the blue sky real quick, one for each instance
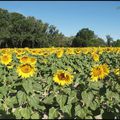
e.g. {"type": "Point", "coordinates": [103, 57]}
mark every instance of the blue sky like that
{"type": "Point", "coordinates": [71, 16]}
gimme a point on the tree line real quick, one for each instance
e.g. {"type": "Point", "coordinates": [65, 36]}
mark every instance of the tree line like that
{"type": "Point", "coordinates": [19, 31]}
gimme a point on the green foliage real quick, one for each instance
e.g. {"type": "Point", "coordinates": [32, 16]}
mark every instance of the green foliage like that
{"type": "Point", "coordinates": [17, 30]}
{"type": "Point", "coordinates": [86, 37]}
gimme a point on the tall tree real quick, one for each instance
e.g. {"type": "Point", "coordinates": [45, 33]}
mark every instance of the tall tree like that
{"type": "Point", "coordinates": [109, 40]}
{"type": "Point", "coordinates": [82, 37]}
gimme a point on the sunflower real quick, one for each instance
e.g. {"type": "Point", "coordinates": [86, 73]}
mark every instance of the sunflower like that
{"type": "Point", "coordinates": [32, 60]}
{"type": "Point", "coordinates": [10, 65]}
{"type": "Point", "coordinates": [70, 51]}
{"type": "Point", "coordinates": [117, 71]}
{"type": "Point", "coordinates": [24, 59]}
{"type": "Point", "coordinates": [63, 77]}
{"type": "Point", "coordinates": [59, 53]}
{"type": "Point", "coordinates": [99, 72]}
{"type": "Point", "coordinates": [6, 59]}
{"type": "Point", "coordinates": [26, 70]}
{"type": "Point", "coordinates": [95, 57]}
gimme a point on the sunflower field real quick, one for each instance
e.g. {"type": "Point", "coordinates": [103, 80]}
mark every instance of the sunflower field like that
{"type": "Point", "coordinates": [49, 83]}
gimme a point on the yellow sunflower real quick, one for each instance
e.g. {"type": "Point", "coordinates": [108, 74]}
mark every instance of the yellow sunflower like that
{"type": "Point", "coordinates": [117, 71]}
{"type": "Point", "coordinates": [10, 65]}
{"type": "Point", "coordinates": [26, 70]}
{"type": "Point", "coordinates": [6, 59]}
{"type": "Point", "coordinates": [63, 77]}
{"type": "Point", "coordinates": [32, 60]}
{"type": "Point", "coordinates": [95, 57]}
{"type": "Point", "coordinates": [99, 72]}
{"type": "Point", "coordinates": [70, 51]}
{"type": "Point", "coordinates": [24, 59]}
{"type": "Point", "coordinates": [59, 53]}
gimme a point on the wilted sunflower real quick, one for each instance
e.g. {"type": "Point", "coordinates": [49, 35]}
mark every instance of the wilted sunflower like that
{"type": "Point", "coordinates": [26, 70]}
{"type": "Point", "coordinates": [99, 72]}
{"type": "Point", "coordinates": [63, 77]}
{"type": "Point", "coordinates": [6, 59]}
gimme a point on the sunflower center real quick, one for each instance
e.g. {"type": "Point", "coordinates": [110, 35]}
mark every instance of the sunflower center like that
{"type": "Point", "coordinates": [97, 72]}
{"type": "Point", "coordinates": [26, 68]}
{"type": "Point", "coordinates": [5, 58]}
{"type": "Point", "coordinates": [62, 76]}
{"type": "Point", "coordinates": [24, 58]}
{"type": "Point", "coordinates": [32, 59]}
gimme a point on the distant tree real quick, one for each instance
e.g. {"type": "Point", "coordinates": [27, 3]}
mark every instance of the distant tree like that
{"type": "Point", "coordinates": [96, 42]}
{"type": "Point", "coordinates": [109, 40]}
{"type": "Point", "coordinates": [82, 38]}
{"type": "Point", "coordinates": [16, 30]}
{"type": "Point", "coordinates": [116, 43]}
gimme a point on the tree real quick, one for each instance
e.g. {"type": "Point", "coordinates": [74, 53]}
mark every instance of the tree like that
{"type": "Point", "coordinates": [109, 40]}
{"type": "Point", "coordinates": [16, 30]}
{"type": "Point", "coordinates": [116, 43]}
{"type": "Point", "coordinates": [82, 37]}
{"type": "Point", "coordinates": [96, 42]}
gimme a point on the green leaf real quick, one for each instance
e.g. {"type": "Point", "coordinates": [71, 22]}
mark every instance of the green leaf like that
{"type": "Point", "coordinates": [67, 90]}
{"type": "Point", "coordinates": [87, 98]}
{"type": "Point", "coordinates": [16, 112]}
{"type": "Point", "coordinates": [72, 97]}
{"type": "Point", "coordinates": [37, 86]}
{"type": "Point", "coordinates": [1, 96]}
{"type": "Point", "coordinates": [61, 100]}
{"type": "Point", "coordinates": [49, 99]}
{"type": "Point", "coordinates": [27, 85]}
{"type": "Point", "coordinates": [53, 113]}
{"type": "Point", "coordinates": [80, 112]}
{"type": "Point", "coordinates": [25, 112]}
{"type": "Point", "coordinates": [35, 116]}
{"type": "Point", "coordinates": [94, 105]}
{"type": "Point", "coordinates": [3, 90]}
{"type": "Point", "coordinates": [96, 85]}
{"type": "Point", "coordinates": [33, 101]}
{"type": "Point", "coordinates": [11, 101]}
{"type": "Point", "coordinates": [67, 109]}
{"type": "Point", "coordinates": [21, 97]}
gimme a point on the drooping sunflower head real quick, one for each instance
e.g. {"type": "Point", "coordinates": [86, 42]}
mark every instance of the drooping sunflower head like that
{"type": "Point", "coordinates": [26, 70]}
{"type": "Point", "coordinates": [63, 77]}
{"type": "Point", "coordinates": [99, 72]}
{"type": "Point", "coordinates": [6, 59]}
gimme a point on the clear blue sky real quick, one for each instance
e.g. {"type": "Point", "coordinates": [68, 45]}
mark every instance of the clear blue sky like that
{"type": "Point", "coordinates": [71, 16]}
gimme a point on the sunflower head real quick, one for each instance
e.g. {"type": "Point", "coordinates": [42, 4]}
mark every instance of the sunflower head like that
{"type": "Point", "coordinates": [32, 60]}
{"type": "Point", "coordinates": [24, 59]}
{"type": "Point", "coordinates": [117, 71]}
{"type": "Point", "coordinates": [99, 72]}
{"type": "Point", "coordinates": [10, 65]}
{"type": "Point", "coordinates": [63, 77]}
{"type": "Point", "coordinates": [70, 51]}
{"type": "Point", "coordinates": [6, 59]}
{"type": "Point", "coordinates": [26, 70]}
{"type": "Point", "coordinates": [95, 57]}
{"type": "Point", "coordinates": [59, 53]}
